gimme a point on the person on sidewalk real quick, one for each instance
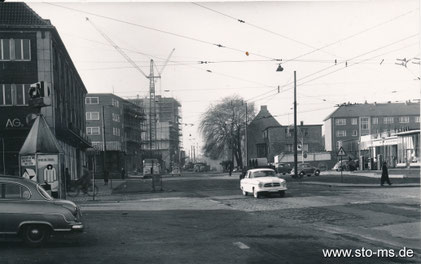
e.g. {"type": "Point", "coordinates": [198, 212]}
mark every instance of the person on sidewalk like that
{"type": "Point", "coordinates": [123, 173]}
{"type": "Point", "coordinates": [385, 175]}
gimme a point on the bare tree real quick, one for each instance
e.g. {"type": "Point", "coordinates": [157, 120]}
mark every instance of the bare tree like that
{"type": "Point", "coordinates": [223, 129]}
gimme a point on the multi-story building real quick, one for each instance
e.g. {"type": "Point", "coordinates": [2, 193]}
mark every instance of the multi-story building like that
{"type": "Point", "coordinates": [117, 122]}
{"type": "Point", "coordinates": [167, 143]}
{"type": "Point", "coordinates": [347, 124]}
{"type": "Point", "coordinates": [31, 51]}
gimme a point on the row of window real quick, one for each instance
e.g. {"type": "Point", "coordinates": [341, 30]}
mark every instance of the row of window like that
{"type": "Point", "coordinates": [95, 116]}
{"type": "Point", "coordinates": [342, 133]}
{"type": "Point", "coordinates": [15, 49]}
{"type": "Point", "coordinates": [97, 131]}
{"type": "Point", "coordinates": [95, 100]}
{"type": "Point", "coordinates": [375, 120]}
{"type": "Point", "coordinates": [14, 94]}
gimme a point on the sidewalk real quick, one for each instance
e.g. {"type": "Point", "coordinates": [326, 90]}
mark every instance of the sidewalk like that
{"type": "Point", "coordinates": [393, 173]}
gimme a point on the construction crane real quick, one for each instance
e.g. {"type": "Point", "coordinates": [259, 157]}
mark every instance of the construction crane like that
{"type": "Point", "coordinates": [151, 77]}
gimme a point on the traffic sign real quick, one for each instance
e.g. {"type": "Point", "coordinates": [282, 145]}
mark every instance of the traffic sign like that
{"type": "Point", "coordinates": [341, 152]}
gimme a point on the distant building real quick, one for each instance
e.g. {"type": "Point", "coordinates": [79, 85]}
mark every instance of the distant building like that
{"type": "Point", "coordinates": [257, 147]}
{"type": "Point", "coordinates": [280, 139]}
{"type": "Point", "coordinates": [266, 138]}
{"type": "Point", "coordinates": [31, 51]}
{"type": "Point", "coordinates": [122, 121]}
{"type": "Point", "coordinates": [347, 124]}
{"type": "Point", "coordinates": [168, 130]}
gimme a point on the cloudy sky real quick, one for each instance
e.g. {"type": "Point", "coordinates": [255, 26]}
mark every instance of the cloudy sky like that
{"type": "Point", "coordinates": [342, 51]}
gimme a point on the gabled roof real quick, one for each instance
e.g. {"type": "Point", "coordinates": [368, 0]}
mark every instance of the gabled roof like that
{"type": "Point", "coordinates": [40, 139]}
{"type": "Point", "coordinates": [264, 119]}
{"type": "Point", "coordinates": [20, 14]}
{"type": "Point", "coordinates": [384, 109]}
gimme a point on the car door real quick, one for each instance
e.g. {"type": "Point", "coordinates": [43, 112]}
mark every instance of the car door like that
{"type": "Point", "coordinates": [14, 206]}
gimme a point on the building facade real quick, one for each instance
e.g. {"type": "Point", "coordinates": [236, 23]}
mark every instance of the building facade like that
{"type": "Point", "coordinates": [347, 124]}
{"type": "Point", "coordinates": [280, 139]}
{"type": "Point", "coordinates": [257, 145]}
{"type": "Point", "coordinates": [167, 143]}
{"type": "Point", "coordinates": [31, 51]}
{"type": "Point", "coordinates": [117, 122]}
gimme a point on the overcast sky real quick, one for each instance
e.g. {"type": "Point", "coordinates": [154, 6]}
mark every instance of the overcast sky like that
{"type": "Point", "coordinates": [364, 38]}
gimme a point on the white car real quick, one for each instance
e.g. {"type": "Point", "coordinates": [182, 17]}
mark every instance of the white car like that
{"type": "Point", "coordinates": [259, 181]}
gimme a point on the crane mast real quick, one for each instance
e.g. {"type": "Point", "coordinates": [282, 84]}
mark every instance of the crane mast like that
{"type": "Point", "coordinates": [152, 94]}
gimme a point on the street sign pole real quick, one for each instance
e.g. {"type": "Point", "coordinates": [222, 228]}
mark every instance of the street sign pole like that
{"type": "Point", "coordinates": [341, 153]}
{"type": "Point", "coordinates": [342, 179]}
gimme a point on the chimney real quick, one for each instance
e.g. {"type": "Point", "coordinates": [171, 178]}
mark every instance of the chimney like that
{"type": "Point", "coordinates": [263, 107]}
{"type": "Point", "coordinates": [301, 123]}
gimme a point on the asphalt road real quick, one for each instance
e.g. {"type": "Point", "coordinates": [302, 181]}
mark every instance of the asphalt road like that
{"type": "Point", "coordinates": [204, 219]}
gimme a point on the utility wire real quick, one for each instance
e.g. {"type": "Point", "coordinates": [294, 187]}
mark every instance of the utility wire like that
{"type": "Point", "coordinates": [326, 68]}
{"type": "Point", "coordinates": [261, 28]}
{"type": "Point", "coordinates": [165, 32]}
{"type": "Point", "coordinates": [353, 35]}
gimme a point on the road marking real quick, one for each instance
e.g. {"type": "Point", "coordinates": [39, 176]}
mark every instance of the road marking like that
{"type": "Point", "coordinates": [241, 245]}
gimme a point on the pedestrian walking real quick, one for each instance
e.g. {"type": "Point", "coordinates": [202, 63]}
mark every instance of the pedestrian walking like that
{"type": "Point", "coordinates": [123, 173]}
{"type": "Point", "coordinates": [385, 175]}
{"type": "Point", "coordinates": [230, 168]}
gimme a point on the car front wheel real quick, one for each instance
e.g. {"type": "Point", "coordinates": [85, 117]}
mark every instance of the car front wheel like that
{"type": "Point", "coordinates": [301, 174]}
{"type": "Point", "coordinates": [317, 173]}
{"type": "Point", "coordinates": [256, 194]}
{"type": "Point", "coordinates": [35, 235]}
{"type": "Point", "coordinates": [244, 192]}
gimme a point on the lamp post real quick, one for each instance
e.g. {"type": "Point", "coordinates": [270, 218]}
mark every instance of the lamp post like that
{"type": "Point", "coordinates": [279, 69]}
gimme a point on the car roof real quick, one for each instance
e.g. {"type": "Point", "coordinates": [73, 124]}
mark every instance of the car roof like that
{"type": "Point", "coordinates": [261, 169]}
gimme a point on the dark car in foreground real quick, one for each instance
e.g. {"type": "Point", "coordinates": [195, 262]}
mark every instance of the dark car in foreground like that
{"type": "Point", "coordinates": [28, 211]}
{"type": "Point", "coordinates": [305, 169]}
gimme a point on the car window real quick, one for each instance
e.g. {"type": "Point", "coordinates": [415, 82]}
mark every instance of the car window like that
{"type": "Point", "coordinates": [265, 173]}
{"type": "Point", "coordinates": [14, 191]}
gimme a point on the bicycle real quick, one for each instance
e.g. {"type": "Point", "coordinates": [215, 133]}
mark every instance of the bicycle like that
{"type": "Point", "coordinates": [76, 187]}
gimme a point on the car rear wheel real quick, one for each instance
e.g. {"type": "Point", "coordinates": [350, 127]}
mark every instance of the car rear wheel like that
{"type": "Point", "coordinates": [301, 174]}
{"type": "Point", "coordinates": [256, 194]}
{"type": "Point", "coordinates": [317, 173]}
{"type": "Point", "coordinates": [35, 235]}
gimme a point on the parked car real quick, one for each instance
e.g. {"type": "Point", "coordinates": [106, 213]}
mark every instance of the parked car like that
{"type": "Point", "coordinates": [305, 169]}
{"type": "Point", "coordinates": [283, 168]}
{"type": "Point", "coordinates": [260, 181]}
{"type": "Point", "coordinates": [28, 211]}
{"type": "Point", "coordinates": [343, 165]}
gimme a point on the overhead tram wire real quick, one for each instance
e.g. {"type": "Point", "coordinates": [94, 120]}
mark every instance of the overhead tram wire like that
{"type": "Point", "coordinates": [326, 68]}
{"type": "Point", "coordinates": [261, 28]}
{"type": "Point", "coordinates": [350, 65]}
{"type": "Point", "coordinates": [165, 32]}
{"type": "Point", "coordinates": [353, 35]}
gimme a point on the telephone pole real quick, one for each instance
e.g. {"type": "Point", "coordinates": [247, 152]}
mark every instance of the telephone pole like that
{"type": "Point", "coordinates": [295, 126]}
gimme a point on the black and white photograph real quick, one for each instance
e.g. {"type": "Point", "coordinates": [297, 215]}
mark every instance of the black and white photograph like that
{"type": "Point", "coordinates": [210, 132]}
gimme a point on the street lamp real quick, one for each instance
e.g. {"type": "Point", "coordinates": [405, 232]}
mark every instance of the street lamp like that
{"type": "Point", "coordinates": [279, 69]}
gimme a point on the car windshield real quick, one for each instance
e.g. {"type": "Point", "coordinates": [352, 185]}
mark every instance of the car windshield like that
{"type": "Point", "coordinates": [44, 193]}
{"type": "Point", "coordinates": [265, 173]}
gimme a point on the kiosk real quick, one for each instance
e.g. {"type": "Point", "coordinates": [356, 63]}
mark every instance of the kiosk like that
{"type": "Point", "coordinates": [41, 159]}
